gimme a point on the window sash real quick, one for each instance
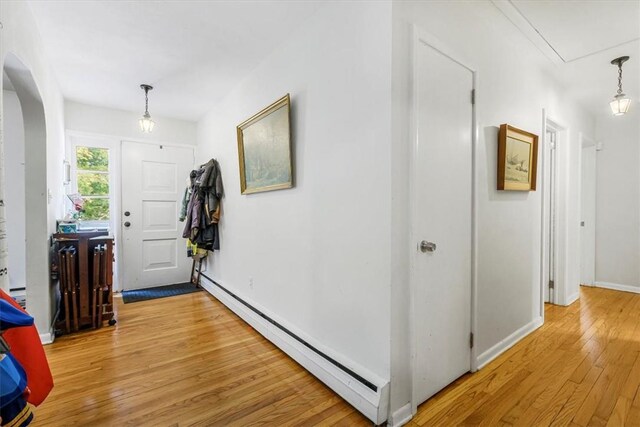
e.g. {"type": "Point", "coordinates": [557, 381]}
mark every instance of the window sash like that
{"type": "Point", "coordinates": [79, 171]}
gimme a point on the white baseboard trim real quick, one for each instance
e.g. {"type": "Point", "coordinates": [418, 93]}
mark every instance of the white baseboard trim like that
{"type": "Point", "coordinates": [618, 287]}
{"type": "Point", "coordinates": [401, 416]}
{"type": "Point", "coordinates": [508, 342]}
{"type": "Point", "coordinates": [573, 298]}
{"type": "Point", "coordinates": [374, 405]}
{"type": "Point", "coordinates": [48, 338]}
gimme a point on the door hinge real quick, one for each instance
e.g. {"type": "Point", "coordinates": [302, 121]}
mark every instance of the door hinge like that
{"type": "Point", "coordinates": [473, 97]}
{"type": "Point", "coordinates": [471, 340]}
{"type": "Point", "coordinates": [552, 284]}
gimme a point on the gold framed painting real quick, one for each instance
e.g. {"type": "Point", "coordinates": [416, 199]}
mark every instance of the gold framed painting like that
{"type": "Point", "coordinates": [264, 149]}
{"type": "Point", "coordinates": [517, 159]}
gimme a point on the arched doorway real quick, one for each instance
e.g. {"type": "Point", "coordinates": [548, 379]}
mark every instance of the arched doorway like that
{"type": "Point", "coordinates": [14, 191]}
{"type": "Point", "coordinates": [24, 214]}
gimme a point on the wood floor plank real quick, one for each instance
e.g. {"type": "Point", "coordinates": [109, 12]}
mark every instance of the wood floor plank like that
{"type": "Point", "coordinates": [633, 417]}
{"type": "Point", "coordinates": [573, 404]}
{"type": "Point", "coordinates": [620, 412]}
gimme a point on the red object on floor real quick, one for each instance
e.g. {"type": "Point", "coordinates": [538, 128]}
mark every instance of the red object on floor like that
{"type": "Point", "coordinates": [27, 349]}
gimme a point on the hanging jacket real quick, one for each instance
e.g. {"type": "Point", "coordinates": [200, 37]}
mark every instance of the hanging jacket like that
{"type": "Point", "coordinates": [201, 206]}
{"type": "Point", "coordinates": [209, 184]}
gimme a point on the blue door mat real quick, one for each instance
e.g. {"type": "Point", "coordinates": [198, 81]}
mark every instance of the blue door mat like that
{"type": "Point", "coordinates": [159, 292]}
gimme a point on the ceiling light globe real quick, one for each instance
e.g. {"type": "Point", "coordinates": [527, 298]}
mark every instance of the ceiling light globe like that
{"type": "Point", "coordinates": [620, 104]}
{"type": "Point", "coordinates": [146, 124]}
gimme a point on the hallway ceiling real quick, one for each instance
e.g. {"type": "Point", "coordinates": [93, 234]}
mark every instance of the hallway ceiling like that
{"type": "Point", "coordinates": [576, 29]}
{"type": "Point", "coordinates": [195, 52]}
{"type": "Point", "coordinates": [586, 35]}
{"type": "Point", "coordinates": [192, 52]}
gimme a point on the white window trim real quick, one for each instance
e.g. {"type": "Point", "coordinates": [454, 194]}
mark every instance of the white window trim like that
{"type": "Point", "coordinates": [92, 142]}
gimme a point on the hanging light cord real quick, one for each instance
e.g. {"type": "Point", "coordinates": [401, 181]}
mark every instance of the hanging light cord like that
{"type": "Point", "coordinates": [619, 78]}
{"type": "Point", "coordinates": [146, 96]}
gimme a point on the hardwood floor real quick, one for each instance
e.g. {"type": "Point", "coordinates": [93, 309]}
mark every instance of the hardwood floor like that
{"type": "Point", "coordinates": [581, 368]}
{"type": "Point", "coordinates": [185, 360]}
{"type": "Point", "coordinates": [189, 361]}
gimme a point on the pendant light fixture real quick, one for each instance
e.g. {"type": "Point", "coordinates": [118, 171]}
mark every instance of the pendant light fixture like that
{"type": "Point", "coordinates": [146, 124]}
{"type": "Point", "coordinates": [620, 103]}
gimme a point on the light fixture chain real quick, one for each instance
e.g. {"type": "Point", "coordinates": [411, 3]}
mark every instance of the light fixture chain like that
{"type": "Point", "coordinates": [146, 99]}
{"type": "Point", "coordinates": [619, 78]}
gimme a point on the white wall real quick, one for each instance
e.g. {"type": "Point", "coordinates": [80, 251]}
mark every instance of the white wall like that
{"type": "Point", "coordinates": [618, 200]}
{"type": "Point", "coordinates": [14, 196]}
{"type": "Point", "coordinates": [318, 254]}
{"type": "Point", "coordinates": [124, 124]}
{"type": "Point", "coordinates": [21, 38]}
{"type": "Point", "coordinates": [515, 83]}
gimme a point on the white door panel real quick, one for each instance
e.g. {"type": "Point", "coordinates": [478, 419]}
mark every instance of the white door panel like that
{"type": "Point", "coordinates": [588, 221]}
{"type": "Point", "coordinates": [153, 181]}
{"type": "Point", "coordinates": [442, 215]}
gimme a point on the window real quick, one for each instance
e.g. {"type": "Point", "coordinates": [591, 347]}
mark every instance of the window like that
{"type": "Point", "coordinates": [92, 179]}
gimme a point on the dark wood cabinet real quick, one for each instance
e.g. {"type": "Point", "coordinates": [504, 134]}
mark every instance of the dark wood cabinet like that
{"type": "Point", "coordinates": [85, 268]}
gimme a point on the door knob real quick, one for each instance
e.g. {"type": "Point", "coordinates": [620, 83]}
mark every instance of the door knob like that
{"type": "Point", "coordinates": [127, 224]}
{"type": "Point", "coordinates": [427, 246]}
{"type": "Point", "coordinates": [127, 213]}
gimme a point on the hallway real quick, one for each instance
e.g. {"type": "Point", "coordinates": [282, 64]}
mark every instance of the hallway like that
{"type": "Point", "coordinates": [188, 360]}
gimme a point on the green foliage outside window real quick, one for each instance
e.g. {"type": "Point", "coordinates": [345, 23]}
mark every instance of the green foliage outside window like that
{"type": "Point", "coordinates": [95, 209]}
{"type": "Point", "coordinates": [92, 159]}
{"type": "Point", "coordinates": [93, 184]}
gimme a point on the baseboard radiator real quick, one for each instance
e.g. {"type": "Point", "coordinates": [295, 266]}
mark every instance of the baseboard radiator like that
{"type": "Point", "coordinates": [369, 395]}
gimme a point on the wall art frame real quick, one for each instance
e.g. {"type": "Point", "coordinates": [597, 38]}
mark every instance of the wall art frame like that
{"type": "Point", "coordinates": [265, 149]}
{"type": "Point", "coordinates": [517, 159]}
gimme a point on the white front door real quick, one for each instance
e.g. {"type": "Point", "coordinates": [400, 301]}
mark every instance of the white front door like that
{"type": "Point", "coordinates": [442, 221]}
{"type": "Point", "coordinates": [153, 182]}
{"type": "Point", "coordinates": [588, 221]}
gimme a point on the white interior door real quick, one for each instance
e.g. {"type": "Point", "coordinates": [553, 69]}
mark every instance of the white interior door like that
{"type": "Point", "coordinates": [442, 221]}
{"type": "Point", "coordinates": [588, 221]}
{"type": "Point", "coordinates": [153, 183]}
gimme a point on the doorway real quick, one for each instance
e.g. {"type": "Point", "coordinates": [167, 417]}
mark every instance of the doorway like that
{"type": "Point", "coordinates": [154, 177]}
{"type": "Point", "coordinates": [550, 172]}
{"type": "Point", "coordinates": [442, 218]}
{"type": "Point", "coordinates": [38, 292]}
{"type": "Point", "coordinates": [14, 194]}
{"type": "Point", "coordinates": [555, 261]}
{"type": "Point", "coordinates": [588, 213]}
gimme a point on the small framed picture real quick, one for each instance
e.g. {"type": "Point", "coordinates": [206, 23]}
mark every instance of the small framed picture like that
{"type": "Point", "coordinates": [517, 159]}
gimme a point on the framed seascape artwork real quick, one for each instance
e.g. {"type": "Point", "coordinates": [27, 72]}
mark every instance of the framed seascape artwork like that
{"type": "Point", "coordinates": [264, 149]}
{"type": "Point", "coordinates": [517, 159]}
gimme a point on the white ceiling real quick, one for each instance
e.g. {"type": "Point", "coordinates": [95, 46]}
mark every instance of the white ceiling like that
{"type": "Point", "coordinates": [579, 28]}
{"type": "Point", "coordinates": [192, 52]}
{"type": "Point", "coordinates": [195, 52]}
{"type": "Point", "coordinates": [586, 35]}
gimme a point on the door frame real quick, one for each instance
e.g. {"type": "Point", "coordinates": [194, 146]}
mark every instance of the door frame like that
{"type": "Point", "coordinates": [561, 190]}
{"type": "Point", "coordinates": [419, 36]}
{"type": "Point", "coordinates": [120, 225]}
